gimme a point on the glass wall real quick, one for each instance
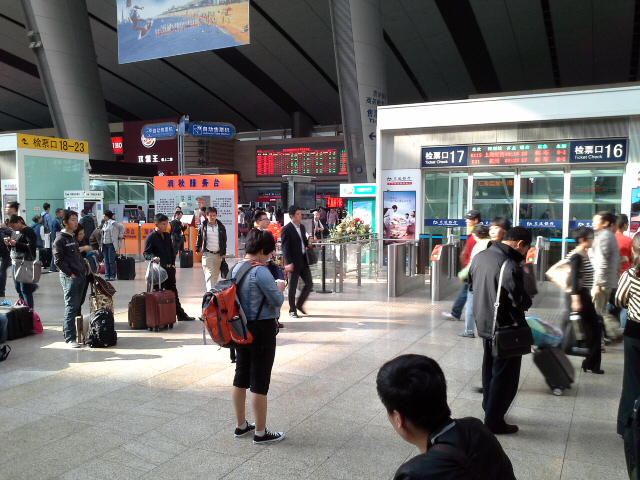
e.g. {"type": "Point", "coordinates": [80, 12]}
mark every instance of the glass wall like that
{"type": "Point", "coordinates": [131, 192]}
{"type": "Point", "coordinates": [594, 190]}
{"type": "Point", "coordinates": [445, 197]}
{"type": "Point", "coordinates": [109, 187]}
{"type": "Point", "coordinates": [542, 200]}
{"type": "Point", "coordinates": [492, 194]}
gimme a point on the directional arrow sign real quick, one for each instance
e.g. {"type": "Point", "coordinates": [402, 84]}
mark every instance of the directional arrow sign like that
{"type": "Point", "coordinates": [372, 136]}
{"type": "Point", "coordinates": [160, 130]}
{"type": "Point", "coordinates": [218, 130]}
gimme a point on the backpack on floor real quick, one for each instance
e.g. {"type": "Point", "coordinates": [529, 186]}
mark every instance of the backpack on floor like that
{"type": "Point", "coordinates": [222, 313]}
{"type": "Point", "coordinates": [102, 332]}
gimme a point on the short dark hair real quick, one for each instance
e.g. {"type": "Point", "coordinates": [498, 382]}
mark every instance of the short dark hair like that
{"type": "Point", "coordinates": [108, 213]}
{"type": "Point", "coordinates": [37, 218]}
{"type": "Point", "coordinates": [15, 218]}
{"type": "Point", "coordinates": [414, 386]}
{"type": "Point", "coordinates": [83, 211]}
{"type": "Point", "coordinates": [14, 205]}
{"type": "Point", "coordinates": [517, 234]}
{"type": "Point", "coordinates": [502, 222]}
{"type": "Point", "coordinates": [259, 216]}
{"type": "Point", "coordinates": [211, 210]}
{"type": "Point", "coordinates": [139, 207]}
{"type": "Point", "coordinates": [607, 217]}
{"type": "Point", "coordinates": [259, 241]}
{"type": "Point", "coordinates": [293, 209]}
{"type": "Point", "coordinates": [582, 232]}
{"type": "Point", "coordinates": [78, 230]}
{"type": "Point", "coordinates": [58, 210]}
{"type": "Point", "coordinates": [67, 215]}
{"type": "Point", "coordinates": [481, 231]}
{"type": "Point", "coordinates": [622, 220]}
{"type": "Point", "coordinates": [46, 206]}
{"type": "Point", "coordinates": [161, 217]}
{"type": "Point", "coordinates": [204, 209]}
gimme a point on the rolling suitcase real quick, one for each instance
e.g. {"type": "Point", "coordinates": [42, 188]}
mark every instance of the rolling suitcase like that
{"type": "Point", "coordinates": [161, 309]}
{"type": "Point", "coordinates": [556, 368]}
{"type": "Point", "coordinates": [186, 259]}
{"type": "Point", "coordinates": [574, 338]}
{"type": "Point", "coordinates": [125, 267]}
{"type": "Point", "coordinates": [138, 312]}
{"type": "Point", "coordinates": [45, 257]}
{"type": "Point", "coordinates": [20, 321]}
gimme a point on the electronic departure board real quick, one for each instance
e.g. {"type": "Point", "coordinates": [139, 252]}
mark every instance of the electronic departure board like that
{"type": "Point", "coordinates": [328, 159]}
{"type": "Point", "coordinates": [556, 152]}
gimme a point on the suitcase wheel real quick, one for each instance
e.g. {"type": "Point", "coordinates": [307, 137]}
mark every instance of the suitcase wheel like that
{"type": "Point", "coordinates": [171, 326]}
{"type": "Point", "coordinates": [150, 329]}
{"type": "Point", "coordinates": [157, 329]}
{"type": "Point", "coordinates": [557, 391]}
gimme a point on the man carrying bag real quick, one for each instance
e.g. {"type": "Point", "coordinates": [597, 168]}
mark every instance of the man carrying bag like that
{"type": "Point", "coordinates": [500, 376]}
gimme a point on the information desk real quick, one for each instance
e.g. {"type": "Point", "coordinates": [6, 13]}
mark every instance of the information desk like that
{"type": "Point", "coordinates": [136, 235]}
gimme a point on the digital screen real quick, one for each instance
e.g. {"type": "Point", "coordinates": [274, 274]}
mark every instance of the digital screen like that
{"type": "Point", "coordinates": [304, 195]}
{"type": "Point", "coordinates": [518, 154]}
{"type": "Point", "coordinates": [330, 159]}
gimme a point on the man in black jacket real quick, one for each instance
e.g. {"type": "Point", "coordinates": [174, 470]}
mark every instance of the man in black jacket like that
{"type": "Point", "coordinates": [414, 392]}
{"type": "Point", "coordinates": [212, 242]}
{"type": "Point", "coordinates": [294, 250]}
{"type": "Point", "coordinates": [500, 376]}
{"type": "Point", "coordinates": [159, 248]}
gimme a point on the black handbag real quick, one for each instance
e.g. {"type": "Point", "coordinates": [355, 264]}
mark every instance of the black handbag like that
{"type": "Point", "coordinates": [512, 341]}
{"type": "Point", "coordinates": [312, 256]}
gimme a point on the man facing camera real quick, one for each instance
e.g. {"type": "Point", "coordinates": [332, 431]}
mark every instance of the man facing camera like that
{"type": "Point", "coordinates": [294, 250]}
{"type": "Point", "coordinates": [414, 391]}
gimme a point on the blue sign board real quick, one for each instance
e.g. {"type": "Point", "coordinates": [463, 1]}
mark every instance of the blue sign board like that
{"type": "Point", "coordinates": [607, 150]}
{"type": "Point", "coordinates": [216, 130]}
{"type": "Point", "coordinates": [445, 156]}
{"type": "Point", "coordinates": [449, 222]}
{"type": "Point", "coordinates": [541, 223]}
{"type": "Point", "coordinates": [581, 223]}
{"type": "Point", "coordinates": [160, 130]}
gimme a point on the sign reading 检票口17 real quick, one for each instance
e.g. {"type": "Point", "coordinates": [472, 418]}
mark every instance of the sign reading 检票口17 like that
{"type": "Point", "coordinates": [49, 143]}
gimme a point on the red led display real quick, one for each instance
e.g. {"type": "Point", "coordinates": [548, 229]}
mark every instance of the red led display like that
{"type": "Point", "coordinates": [518, 154]}
{"type": "Point", "coordinates": [335, 202]}
{"type": "Point", "coordinates": [284, 160]}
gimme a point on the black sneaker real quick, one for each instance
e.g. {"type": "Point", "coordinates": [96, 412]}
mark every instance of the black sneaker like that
{"type": "Point", "coordinates": [268, 437]}
{"type": "Point", "coordinates": [241, 432]}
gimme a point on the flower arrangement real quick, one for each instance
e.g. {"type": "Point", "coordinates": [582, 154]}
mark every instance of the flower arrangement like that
{"type": "Point", "coordinates": [350, 226]}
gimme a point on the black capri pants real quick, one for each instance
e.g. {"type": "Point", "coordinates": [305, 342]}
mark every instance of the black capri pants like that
{"type": "Point", "coordinates": [255, 361]}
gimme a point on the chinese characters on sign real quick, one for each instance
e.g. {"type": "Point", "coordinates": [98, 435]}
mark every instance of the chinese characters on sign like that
{"type": "Point", "coordinates": [444, 156]}
{"type": "Point", "coordinates": [449, 222]}
{"type": "Point", "coordinates": [161, 130]}
{"type": "Point", "coordinates": [153, 159]}
{"type": "Point", "coordinates": [220, 130]}
{"type": "Point", "coordinates": [48, 143]}
{"type": "Point", "coordinates": [610, 150]}
{"type": "Point", "coordinates": [541, 223]}
{"type": "Point", "coordinates": [284, 160]}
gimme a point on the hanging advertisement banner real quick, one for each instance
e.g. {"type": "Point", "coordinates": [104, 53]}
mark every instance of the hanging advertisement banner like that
{"type": "Point", "coordinates": [164, 28]}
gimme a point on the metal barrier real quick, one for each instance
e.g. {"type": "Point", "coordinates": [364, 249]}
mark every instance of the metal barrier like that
{"type": "Point", "coordinates": [444, 271]}
{"type": "Point", "coordinates": [401, 269]}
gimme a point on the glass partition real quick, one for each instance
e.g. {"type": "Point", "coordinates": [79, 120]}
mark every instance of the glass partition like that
{"type": "Point", "coordinates": [594, 190]}
{"type": "Point", "coordinates": [445, 197]}
{"type": "Point", "coordinates": [492, 194]}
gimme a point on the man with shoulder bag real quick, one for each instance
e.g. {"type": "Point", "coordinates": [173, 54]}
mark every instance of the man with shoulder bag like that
{"type": "Point", "coordinates": [495, 311]}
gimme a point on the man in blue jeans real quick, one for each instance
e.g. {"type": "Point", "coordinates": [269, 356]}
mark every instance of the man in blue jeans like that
{"type": "Point", "coordinates": [67, 257]}
{"type": "Point", "coordinates": [56, 227]}
{"type": "Point", "coordinates": [473, 218]}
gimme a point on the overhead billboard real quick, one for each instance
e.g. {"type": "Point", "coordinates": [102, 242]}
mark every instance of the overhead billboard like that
{"type": "Point", "coordinates": [149, 29]}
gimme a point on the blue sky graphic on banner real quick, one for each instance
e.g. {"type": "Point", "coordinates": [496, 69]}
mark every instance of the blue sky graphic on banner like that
{"type": "Point", "coordinates": [149, 29]}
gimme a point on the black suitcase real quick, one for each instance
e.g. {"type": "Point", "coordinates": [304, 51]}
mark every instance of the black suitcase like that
{"type": "Point", "coordinates": [186, 259]}
{"type": "Point", "coordinates": [574, 338]}
{"type": "Point", "coordinates": [45, 257]}
{"type": "Point", "coordinates": [556, 368]}
{"type": "Point", "coordinates": [125, 267]}
{"type": "Point", "coordinates": [20, 321]}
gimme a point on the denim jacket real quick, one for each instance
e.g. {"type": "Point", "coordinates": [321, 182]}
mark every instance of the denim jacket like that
{"type": "Point", "coordinates": [257, 284]}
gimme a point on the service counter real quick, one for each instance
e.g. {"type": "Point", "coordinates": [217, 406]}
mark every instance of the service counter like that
{"type": "Point", "coordinates": [135, 236]}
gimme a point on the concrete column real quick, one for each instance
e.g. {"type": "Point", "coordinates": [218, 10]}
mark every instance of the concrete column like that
{"type": "Point", "coordinates": [358, 44]}
{"type": "Point", "coordinates": [62, 44]}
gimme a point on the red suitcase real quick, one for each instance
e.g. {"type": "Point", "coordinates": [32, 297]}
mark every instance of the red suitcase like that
{"type": "Point", "coordinates": [161, 309]}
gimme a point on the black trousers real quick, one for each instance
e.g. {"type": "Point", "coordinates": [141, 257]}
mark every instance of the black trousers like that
{"type": "Point", "coordinates": [592, 330]}
{"type": "Point", "coordinates": [170, 284]}
{"type": "Point", "coordinates": [305, 274]}
{"type": "Point", "coordinates": [630, 392]}
{"type": "Point", "coordinates": [499, 386]}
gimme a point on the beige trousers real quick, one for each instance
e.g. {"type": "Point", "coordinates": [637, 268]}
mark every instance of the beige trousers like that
{"type": "Point", "coordinates": [611, 325]}
{"type": "Point", "coordinates": [211, 267]}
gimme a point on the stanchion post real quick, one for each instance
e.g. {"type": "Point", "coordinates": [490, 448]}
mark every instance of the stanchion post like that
{"type": "Point", "coordinates": [323, 280]}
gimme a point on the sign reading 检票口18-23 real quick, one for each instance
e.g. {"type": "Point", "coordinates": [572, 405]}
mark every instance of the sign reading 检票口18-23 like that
{"type": "Point", "coordinates": [529, 153]}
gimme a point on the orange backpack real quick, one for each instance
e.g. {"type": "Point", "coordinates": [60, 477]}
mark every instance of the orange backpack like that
{"type": "Point", "coordinates": [222, 313]}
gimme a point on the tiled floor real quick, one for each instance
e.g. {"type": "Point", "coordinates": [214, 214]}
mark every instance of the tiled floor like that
{"type": "Point", "coordinates": [158, 405]}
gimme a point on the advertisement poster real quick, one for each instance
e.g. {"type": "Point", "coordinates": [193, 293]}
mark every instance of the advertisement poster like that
{"type": "Point", "coordinates": [635, 211]}
{"type": "Point", "coordinates": [364, 211]}
{"type": "Point", "coordinates": [194, 191]}
{"type": "Point", "coordinates": [149, 29]}
{"type": "Point", "coordinates": [399, 217]}
{"type": "Point", "coordinates": [140, 149]}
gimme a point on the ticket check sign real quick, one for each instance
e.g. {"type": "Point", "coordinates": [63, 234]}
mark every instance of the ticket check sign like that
{"type": "Point", "coordinates": [50, 143]}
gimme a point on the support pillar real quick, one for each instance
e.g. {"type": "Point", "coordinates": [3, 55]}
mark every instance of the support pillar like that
{"type": "Point", "coordinates": [62, 44]}
{"type": "Point", "coordinates": [358, 44]}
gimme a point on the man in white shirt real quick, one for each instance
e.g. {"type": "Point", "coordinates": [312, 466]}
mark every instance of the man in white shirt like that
{"type": "Point", "coordinates": [212, 242]}
{"type": "Point", "coordinates": [294, 247]}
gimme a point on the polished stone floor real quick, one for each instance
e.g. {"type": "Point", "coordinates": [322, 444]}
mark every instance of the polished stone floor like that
{"type": "Point", "coordinates": [158, 405]}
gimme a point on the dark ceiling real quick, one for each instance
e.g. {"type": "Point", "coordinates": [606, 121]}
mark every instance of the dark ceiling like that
{"type": "Point", "coordinates": [434, 50]}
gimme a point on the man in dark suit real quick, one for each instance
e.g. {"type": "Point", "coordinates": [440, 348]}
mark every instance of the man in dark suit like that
{"type": "Point", "coordinates": [294, 245]}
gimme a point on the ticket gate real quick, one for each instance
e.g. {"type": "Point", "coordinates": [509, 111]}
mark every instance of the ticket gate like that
{"type": "Point", "coordinates": [401, 269]}
{"type": "Point", "coordinates": [444, 269]}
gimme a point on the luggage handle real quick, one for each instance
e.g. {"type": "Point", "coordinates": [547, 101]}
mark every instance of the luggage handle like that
{"type": "Point", "coordinates": [150, 285]}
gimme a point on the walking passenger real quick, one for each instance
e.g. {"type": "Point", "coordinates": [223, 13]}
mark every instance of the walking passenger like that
{"type": "Point", "coordinates": [413, 390]}
{"type": "Point", "coordinates": [261, 298]}
{"type": "Point", "coordinates": [56, 228]}
{"type": "Point", "coordinates": [498, 227]}
{"type": "Point", "coordinates": [481, 236]}
{"type": "Point", "coordinates": [177, 232]}
{"type": "Point", "coordinates": [605, 257]}
{"type": "Point", "coordinates": [624, 245]}
{"type": "Point", "coordinates": [159, 248]}
{"type": "Point", "coordinates": [628, 296]}
{"type": "Point", "coordinates": [88, 223]}
{"type": "Point", "coordinates": [23, 247]}
{"type": "Point", "coordinates": [473, 219]}
{"type": "Point", "coordinates": [212, 242]}
{"type": "Point", "coordinates": [5, 258]}
{"type": "Point", "coordinates": [500, 376]}
{"type": "Point", "coordinates": [66, 255]}
{"type": "Point", "coordinates": [112, 234]}
{"type": "Point", "coordinates": [581, 281]}
{"type": "Point", "coordinates": [294, 251]}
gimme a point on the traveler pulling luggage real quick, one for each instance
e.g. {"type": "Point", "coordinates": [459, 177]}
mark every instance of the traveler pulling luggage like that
{"type": "Point", "coordinates": [548, 357]}
{"type": "Point", "coordinates": [160, 308]}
